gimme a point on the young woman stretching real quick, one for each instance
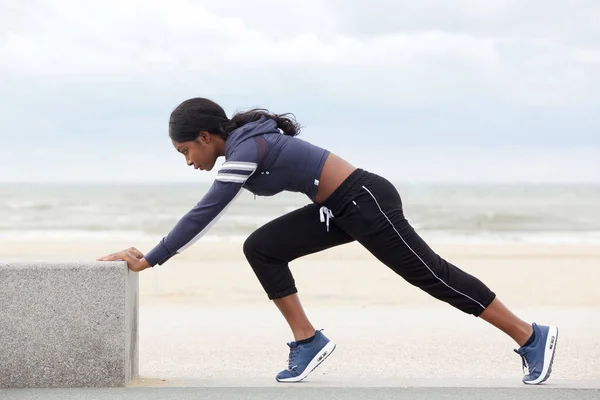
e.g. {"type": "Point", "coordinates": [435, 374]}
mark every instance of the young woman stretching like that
{"type": "Point", "coordinates": [347, 204]}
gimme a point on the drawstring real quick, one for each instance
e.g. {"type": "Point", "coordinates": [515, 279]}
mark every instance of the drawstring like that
{"type": "Point", "coordinates": [325, 213]}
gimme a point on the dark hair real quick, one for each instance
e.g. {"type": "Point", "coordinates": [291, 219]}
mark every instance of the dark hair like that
{"type": "Point", "coordinates": [200, 114]}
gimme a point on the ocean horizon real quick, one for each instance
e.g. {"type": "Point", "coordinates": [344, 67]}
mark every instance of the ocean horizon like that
{"type": "Point", "coordinates": [440, 212]}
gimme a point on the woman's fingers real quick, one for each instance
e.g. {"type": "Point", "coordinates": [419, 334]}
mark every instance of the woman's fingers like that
{"type": "Point", "coordinates": [114, 256]}
{"type": "Point", "coordinates": [109, 258]}
{"type": "Point", "coordinates": [132, 256]}
{"type": "Point", "coordinates": [129, 251]}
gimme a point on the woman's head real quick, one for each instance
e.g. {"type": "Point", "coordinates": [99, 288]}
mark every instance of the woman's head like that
{"type": "Point", "coordinates": [194, 129]}
{"type": "Point", "coordinates": [199, 127]}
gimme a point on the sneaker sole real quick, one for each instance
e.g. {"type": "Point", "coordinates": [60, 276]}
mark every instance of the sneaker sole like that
{"type": "Point", "coordinates": [314, 363]}
{"type": "Point", "coordinates": [550, 349]}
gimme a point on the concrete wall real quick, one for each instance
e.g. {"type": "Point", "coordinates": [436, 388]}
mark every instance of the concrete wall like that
{"type": "Point", "coordinates": [68, 324]}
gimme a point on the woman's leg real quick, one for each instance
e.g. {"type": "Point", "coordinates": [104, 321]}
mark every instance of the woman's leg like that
{"type": "Point", "coordinates": [377, 221]}
{"type": "Point", "coordinates": [502, 318]}
{"type": "Point", "coordinates": [270, 249]}
{"type": "Point", "coordinates": [295, 316]}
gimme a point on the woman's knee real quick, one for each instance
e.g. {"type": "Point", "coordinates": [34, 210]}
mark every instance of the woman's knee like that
{"type": "Point", "coordinates": [250, 246]}
{"type": "Point", "coordinates": [259, 250]}
{"type": "Point", "coordinates": [273, 273]}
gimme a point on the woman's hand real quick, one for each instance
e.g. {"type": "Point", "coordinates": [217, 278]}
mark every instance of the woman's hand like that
{"type": "Point", "coordinates": [134, 257]}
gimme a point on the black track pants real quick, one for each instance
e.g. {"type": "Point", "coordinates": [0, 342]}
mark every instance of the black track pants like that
{"type": "Point", "coordinates": [366, 208]}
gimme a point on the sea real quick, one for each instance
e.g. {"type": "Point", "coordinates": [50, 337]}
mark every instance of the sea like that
{"type": "Point", "coordinates": [441, 213]}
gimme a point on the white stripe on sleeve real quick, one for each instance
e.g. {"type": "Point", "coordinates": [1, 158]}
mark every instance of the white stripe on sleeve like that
{"type": "Point", "coordinates": [231, 178]}
{"type": "Point", "coordinates": [239, 165]}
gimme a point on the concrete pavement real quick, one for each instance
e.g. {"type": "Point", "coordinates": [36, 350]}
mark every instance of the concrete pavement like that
{"type": "Point", "coordinates": [404, 389]}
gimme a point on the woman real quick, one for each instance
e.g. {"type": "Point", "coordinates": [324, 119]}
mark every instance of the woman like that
{"type": "Point", "coordinates": [263, 155]}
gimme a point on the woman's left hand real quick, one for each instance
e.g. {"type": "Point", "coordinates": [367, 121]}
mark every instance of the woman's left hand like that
{"type": "Point", "coordinates": [134, 257]}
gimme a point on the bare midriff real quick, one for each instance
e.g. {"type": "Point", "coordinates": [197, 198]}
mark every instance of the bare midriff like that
{"type": "Point", "coordinates": [335, 171]}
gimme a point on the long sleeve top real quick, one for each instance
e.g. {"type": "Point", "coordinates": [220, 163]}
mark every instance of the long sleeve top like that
{"type": "Point", "coordinates": [259, 158]}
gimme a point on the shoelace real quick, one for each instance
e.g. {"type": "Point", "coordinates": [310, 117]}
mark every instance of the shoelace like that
{"type": "Point", "coordinates": [525, 362]}
{"type": "Point", "coordinates": [291, 358]}
{"type": "Point", "coordinates": [325, 213]}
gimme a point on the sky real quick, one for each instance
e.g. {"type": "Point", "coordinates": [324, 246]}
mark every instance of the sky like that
{"type": "Point", "coordinates": [428, 91]}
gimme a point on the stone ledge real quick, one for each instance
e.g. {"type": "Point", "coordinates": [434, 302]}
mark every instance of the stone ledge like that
{"type": "Point", "coordinates": [72, 324]}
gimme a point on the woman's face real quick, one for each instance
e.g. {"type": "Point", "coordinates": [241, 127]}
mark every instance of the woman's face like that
{"type": "Point", "coordinates": [202, 152]}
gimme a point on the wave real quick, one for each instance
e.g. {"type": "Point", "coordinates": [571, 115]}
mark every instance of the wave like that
{"type": "Point", "coordinates": [552, 214]}
{"type": "Point", "coordinates": [439, 237]}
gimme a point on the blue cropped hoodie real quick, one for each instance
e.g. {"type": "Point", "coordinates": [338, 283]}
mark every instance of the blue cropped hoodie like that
{"type": "Point", "coordinates": [259, 158]}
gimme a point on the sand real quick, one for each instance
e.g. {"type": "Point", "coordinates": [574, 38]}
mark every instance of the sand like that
{"type": "Point", "coordinates": [203, 315]}
{"type": "Point", "coordinates": [217, 274]}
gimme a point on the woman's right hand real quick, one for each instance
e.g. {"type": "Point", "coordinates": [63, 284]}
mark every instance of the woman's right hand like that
{"type": "Point", "coordinates": [135, 259]}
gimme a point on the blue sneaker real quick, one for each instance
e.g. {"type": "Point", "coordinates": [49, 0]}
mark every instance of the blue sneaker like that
{"type": "Point", "coordinates": [304, 358]}
{"type": "Point", "coordinates": [539, 355]}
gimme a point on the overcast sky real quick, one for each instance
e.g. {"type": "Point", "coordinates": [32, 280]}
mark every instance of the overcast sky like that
{"type": "Point", "coordinates": [417, 91]}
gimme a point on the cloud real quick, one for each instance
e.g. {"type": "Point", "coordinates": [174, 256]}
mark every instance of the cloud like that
{"type": "Point", "coordinates": [415, 55]}
{"type": "Point", "coordinates": [105, 75]}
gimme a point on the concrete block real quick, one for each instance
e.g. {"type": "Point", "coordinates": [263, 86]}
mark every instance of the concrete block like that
{"type": "Point", "coordinates": [68, 324]}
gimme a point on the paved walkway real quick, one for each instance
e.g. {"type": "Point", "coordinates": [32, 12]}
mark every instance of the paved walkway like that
{"type": "Point", "coordinates": [419, 389]}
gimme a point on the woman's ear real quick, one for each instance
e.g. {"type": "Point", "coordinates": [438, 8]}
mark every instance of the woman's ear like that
{"type": "Point", "coordinates": [204, 137]}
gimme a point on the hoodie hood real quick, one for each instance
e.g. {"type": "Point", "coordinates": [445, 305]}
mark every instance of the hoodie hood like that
{"type": "Point", "coordinates": [259, 127]}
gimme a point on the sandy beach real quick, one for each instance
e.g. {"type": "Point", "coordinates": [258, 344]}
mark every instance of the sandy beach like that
{"type": "Point", "coordinates": [213, 274]}
{"type": "Point", "coordinates": [203, 315]}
